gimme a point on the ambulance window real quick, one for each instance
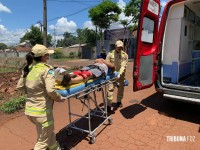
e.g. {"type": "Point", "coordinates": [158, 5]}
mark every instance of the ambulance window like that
{"type": "Point", "coordinates": [147, 30]}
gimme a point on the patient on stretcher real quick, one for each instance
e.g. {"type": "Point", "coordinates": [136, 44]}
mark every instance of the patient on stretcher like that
{"type": "Point", "coordinates": [98, 69]}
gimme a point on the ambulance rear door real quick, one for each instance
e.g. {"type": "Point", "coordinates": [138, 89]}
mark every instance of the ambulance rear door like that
{"type": "Point", "coordinates": [144, 70]}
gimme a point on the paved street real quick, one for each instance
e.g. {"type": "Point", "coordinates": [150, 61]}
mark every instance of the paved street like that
{"type": "Point", "coordinates": [146, 122]}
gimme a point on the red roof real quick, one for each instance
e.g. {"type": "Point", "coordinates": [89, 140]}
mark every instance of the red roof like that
{"type": "Point", "coordinates": [23, 48]}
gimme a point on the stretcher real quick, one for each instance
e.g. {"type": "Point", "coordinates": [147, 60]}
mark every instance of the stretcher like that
{"type": "Point", "coordinates": [81, 91]}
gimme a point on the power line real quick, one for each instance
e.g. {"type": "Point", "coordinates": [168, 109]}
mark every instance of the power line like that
{"type": "Point", "coordinates": [74, 0]}
{"type": "Point", "coordinates": [71, 14]}
{"type": "Point", "coordinates": [77, 1]}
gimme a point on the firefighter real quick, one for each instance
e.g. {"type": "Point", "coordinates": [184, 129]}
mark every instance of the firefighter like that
{"type": "Point", "coordinates": [102, 54]}
{"type": "Point", "coordinates": [120, 59]}
{"type": "Point", "coordinates": [38, 81]}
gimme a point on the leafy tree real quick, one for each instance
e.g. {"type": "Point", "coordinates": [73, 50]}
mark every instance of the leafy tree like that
{"type": "Point", "coordinates": [132, 9]}
{"type": "Point", "coordinates": [57, 54]}
{"type": "Point", "coordinates": [86, 36]}
{"type": "Point", "coordinates": [103, 15]}
{"type": "Point", "coordinates": [3, 46]}
{"type": "Point", "coordinates": [67, 41]}
{"type": "Point", "coordinates": [60, 43]}
{"type": "Point", "coordinates": [35, 36]}
{"type": "Point", "coordinates": [49, 40]}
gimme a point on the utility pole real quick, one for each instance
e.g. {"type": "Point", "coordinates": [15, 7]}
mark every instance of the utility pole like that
{"type": "Point", "coordinates": [54, 38]}
{"type": "Point", "coordinates": [45, 23]}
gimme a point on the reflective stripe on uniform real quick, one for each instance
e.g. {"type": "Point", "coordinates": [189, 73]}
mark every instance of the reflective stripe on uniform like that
{"type": "Point", "coordinates": [35, 72]}
{"type": "Point", "coordinates": [36, 111]}
{"type": "Point", "coordinates": [47, 123]}
{"type": "Point", "coordinates": [53, 146]}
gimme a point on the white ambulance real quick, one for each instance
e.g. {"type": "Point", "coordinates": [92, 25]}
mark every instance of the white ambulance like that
{"type": "Point", "coordinates": [168, 49]}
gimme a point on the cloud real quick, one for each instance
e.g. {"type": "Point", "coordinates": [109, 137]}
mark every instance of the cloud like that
{"type": "Point", "coordinates": [10, 37]}
{"type": "Point", "coordinates": [115, 25]}
{"type": "Point", "coordinates": [63, 25]}
{"type": "Point", "coordinates": [2, 28]}
{"type": "Point", "coordinates": [122, 16]}
{"type": "Point", "coordinates": [89, 25]}
{"type": "Point", "coordinates": [37, 25]}
{"type": "Point", "coordinates": [163, 4]}
{"type": "Point", "coordinates": [4, 8]}
{"type": "Point", "coordinates": [121, 4]}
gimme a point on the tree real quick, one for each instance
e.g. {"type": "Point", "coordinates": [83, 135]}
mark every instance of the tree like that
{"type": "Point", "coordinates": [67, 40]}
{"type": "Point", "coordinates": [3, 47]}
{"type": "Point", "coordinates": [132, 9]}
{"type": "Point", "coordinates": [103, 15]}
{"type": "Point", "coordinates": [86, 36]}
{"type": "Point", "coordinates": [35, 37]}
{"type": "Point", "coordinates": [49, 40]}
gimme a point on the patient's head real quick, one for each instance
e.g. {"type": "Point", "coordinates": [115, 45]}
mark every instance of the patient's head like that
{"type": "Point", "coordinates": [66, 79]}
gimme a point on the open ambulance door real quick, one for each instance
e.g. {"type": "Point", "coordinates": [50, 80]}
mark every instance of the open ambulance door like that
{"type": "Point", "coordinates": [147, 41]}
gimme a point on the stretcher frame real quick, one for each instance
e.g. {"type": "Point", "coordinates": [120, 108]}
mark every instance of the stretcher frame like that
{"type": "Point", "coordinates": [97, 112]}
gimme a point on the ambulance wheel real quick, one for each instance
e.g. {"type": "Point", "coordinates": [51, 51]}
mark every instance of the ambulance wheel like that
{"type": "Point", "coordinates": [110, 121]}
{"type": "Point", "coordinates": [92, 139]}
{"type": "Point", "coordinates": [69, 132]}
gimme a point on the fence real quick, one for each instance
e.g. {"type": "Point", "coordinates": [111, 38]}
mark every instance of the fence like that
{"type": "Point", "coordinates": [10, 64]}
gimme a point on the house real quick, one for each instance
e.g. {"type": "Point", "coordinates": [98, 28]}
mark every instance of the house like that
{"type": "Point", "coordinates": [85, 51]}
{"type": "Point", "coordinates": [111, 36]}
{"type": "Point", "coordinates": [23, 48]}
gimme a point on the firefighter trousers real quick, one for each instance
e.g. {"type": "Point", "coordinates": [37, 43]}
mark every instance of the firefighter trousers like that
{"type": "Point", "coordinates": [120, 92]}
{"type": "Point", "coordinates": [46, 137]}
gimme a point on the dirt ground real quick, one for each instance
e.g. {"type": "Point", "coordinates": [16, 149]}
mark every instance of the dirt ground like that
{"type": "Point", "coordinates": [146, 122]}
{"type": "Point", "coordinates": [8, 82]}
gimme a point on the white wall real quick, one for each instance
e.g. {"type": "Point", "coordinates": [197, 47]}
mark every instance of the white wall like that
{"type": "Point", "coordinates": [172, 38]}
{"type": "Point", "coordinates": [186, 44]}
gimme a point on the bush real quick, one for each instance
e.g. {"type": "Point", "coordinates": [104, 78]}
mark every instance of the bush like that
{"type": "Point", "coordinates": [79, 54]}
{"type": "Point", "coordinates": [57, 54]}
{"type": "Point", "coordinates": [13, 105]}
{"type": "Point", "coordinates": [72, 54]}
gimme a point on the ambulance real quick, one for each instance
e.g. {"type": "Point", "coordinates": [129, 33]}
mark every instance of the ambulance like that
{"type": "Point", "coordinates": [168, 49]}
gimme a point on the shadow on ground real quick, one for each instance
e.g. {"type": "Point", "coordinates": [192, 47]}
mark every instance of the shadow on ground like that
{"type": "Point", "coordinates": [176, 109]}
{"type": "Point", "coordinates": [67, 141]}
{"type": "Point", "coordinates": [132, 110]}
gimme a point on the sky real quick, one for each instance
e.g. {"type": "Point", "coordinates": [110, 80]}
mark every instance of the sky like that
{"type": "Point", "coordinates": [17, 16]}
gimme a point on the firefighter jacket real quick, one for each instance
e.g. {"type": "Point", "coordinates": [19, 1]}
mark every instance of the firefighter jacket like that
{"type": "Point", "coordinates": [119, 60]}
{"type": "Point", "coordinates": [40, 88]}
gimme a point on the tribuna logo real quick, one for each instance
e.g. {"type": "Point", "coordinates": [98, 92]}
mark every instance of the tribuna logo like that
{"type": "Point", "coordinates": [180, 138]}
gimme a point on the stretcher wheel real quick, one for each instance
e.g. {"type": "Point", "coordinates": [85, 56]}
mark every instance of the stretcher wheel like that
{"type": "Point", "coordinates": [110, 121]}
{"type": "Point", "coordinates": [92, 139]}
{"type": "Point", "coordinates": [69, 132]}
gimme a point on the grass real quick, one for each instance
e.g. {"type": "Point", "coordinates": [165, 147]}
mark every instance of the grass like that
{"type": "Point", "coordinates": [62, 59]}
{"type": "Point", "coordinates": [6, 70]}
{"type": "Point", "coordinates": [1, 96]}
{"type": "Point", "coordinates": [13, 105]}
